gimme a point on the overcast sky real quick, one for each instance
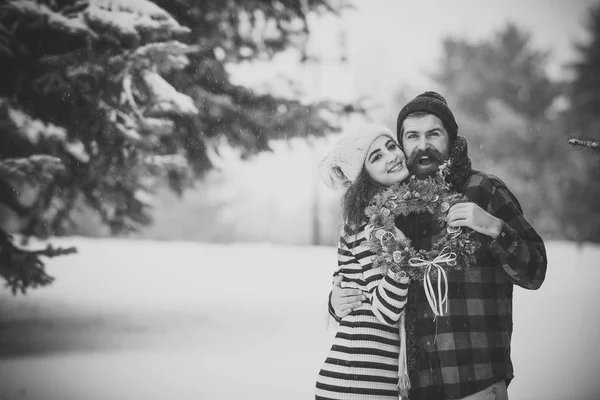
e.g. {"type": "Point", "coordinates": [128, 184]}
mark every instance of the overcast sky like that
{"type": "Point", "coordinates": [396, 43]}
{"type": "Point", "coordinates": [393, 42]}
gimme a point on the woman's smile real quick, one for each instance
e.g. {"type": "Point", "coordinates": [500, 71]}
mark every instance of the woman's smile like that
{"type": "Point", "coordinates": [399, 166]}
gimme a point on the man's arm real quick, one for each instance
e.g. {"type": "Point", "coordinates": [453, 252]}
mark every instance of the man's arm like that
{"type": "Point", "coordinates": [516, 244]}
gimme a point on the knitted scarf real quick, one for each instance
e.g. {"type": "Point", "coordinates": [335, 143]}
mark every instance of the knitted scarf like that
{"type": "Point", "coordinates": [460, 168]}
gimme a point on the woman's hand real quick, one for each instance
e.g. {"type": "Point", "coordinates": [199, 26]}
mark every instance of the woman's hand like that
{"type": "Point", "coordinates": [343, 300]}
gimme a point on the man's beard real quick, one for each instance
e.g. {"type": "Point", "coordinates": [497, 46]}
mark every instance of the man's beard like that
{"type": "Point", "coordinates": [424, 170]}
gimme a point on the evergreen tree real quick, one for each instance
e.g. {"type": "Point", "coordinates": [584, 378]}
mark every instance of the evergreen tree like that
{"type": "Point", "coordinates": [584, 124]}
{"type": "Point", "coordinates": [101, 101]}
{"type": "Point", "coordinates": [504, 102]}
{"type": "Point", "coordinates": [505, 67]}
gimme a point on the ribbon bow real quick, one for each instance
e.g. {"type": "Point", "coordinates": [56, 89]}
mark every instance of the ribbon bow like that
{"type": "Point", "coordinates": [436, 302]}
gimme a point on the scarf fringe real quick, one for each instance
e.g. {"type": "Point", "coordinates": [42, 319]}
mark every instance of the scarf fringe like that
{"type": "Point", "coordinates": [403, 379]}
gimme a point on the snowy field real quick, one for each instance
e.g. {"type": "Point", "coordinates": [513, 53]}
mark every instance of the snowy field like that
{"type": "Point", "coordinates": [158, 320]}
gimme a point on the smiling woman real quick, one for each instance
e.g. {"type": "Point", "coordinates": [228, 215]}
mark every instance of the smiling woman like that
{"type": "Point", "coordinates": [385, 161]}
{"type": "Point", "coordinates": [363, 360]}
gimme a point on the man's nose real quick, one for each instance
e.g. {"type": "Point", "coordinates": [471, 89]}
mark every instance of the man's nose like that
{"type": "Point", "coordinates": [423, 143]}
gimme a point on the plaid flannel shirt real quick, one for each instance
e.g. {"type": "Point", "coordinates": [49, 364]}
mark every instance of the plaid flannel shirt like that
{"type": "Point", "coordinates": [468, 349]}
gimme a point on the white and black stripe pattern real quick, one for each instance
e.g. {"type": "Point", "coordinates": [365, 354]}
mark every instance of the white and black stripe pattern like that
{"type": "Point", "coordinates": [363, 360]}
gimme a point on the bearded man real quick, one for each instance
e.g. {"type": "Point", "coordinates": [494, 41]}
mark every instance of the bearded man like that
{"type": "Point", "coordinates": [465, 353]}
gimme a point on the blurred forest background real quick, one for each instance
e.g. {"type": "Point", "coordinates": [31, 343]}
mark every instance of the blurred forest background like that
{"type": "Point", "coordinates": [166, 119]}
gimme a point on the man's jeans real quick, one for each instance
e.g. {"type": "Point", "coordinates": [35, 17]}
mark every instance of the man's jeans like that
{"type": "Point", "coordinates": [495, 392]}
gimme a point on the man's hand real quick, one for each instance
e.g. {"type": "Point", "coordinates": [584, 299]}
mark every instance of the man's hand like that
{"type": "Point", "coordinates": [344, 301]}
{"type": "Point", "coordinates": [474, 217]}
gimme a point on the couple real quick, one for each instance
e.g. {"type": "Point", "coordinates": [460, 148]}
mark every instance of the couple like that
{"type": "Point", "coordinates": [465, 352]}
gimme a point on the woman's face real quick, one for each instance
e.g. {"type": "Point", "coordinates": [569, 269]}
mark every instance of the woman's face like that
{"type": "Point", "coordinates": [385, 162]}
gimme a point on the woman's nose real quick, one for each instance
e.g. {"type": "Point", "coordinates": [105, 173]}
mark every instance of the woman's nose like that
{"type": "Point", "coordinates": [391, 157]}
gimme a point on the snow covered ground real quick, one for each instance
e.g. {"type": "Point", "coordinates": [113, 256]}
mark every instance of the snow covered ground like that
{"type": "Point", "coordinates": [158, 320]}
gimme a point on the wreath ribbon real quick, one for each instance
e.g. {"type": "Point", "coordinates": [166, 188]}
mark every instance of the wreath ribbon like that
{"type": "Point", "coordinates": [436, 300]}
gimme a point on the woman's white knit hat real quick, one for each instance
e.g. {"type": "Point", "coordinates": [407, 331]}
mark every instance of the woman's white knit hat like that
{"type": "Point", "coordinates": [344, 161]}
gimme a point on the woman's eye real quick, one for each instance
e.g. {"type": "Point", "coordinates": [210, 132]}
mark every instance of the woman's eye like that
{"type": "Point", "coordinates": [393, 146]}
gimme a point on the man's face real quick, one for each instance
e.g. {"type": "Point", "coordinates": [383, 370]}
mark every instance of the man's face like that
{"type": "Point", "coordinates": [426, 144]}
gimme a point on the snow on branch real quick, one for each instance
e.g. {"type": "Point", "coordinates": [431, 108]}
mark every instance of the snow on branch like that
{"type": "Point", "coordinates": [157, 126]}
{"type": "Point", "coordinates": [34, 130]}
{"type": "Point", "coordinates": [138, 7]}
{"type": "Point", "coordinates": [132, 20]}
{"type": "Point", "coordinates": [167, 162]}
{"type": "Point", "coordinates": [585, 143]}
{"type": "Point", "coordinates": [166, 100]}
{"type": "Point", "coordinates": [39, 168]}
{"type": "Point", "coordinates": [167, 56]}
{"type": "Point", "coordinates": [144, 197]}
{"type": "Point", "coordinates": [74, 25]}
{"type": "Point", "coordinates": [164, 56]}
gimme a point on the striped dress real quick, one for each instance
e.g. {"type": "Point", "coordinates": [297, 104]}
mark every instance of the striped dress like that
{"type": "Point", "coordinates": [363, 361]}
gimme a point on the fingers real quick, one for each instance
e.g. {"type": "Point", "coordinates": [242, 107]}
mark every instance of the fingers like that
{"type": "Point", "coordinates": [340, 292]}
{"type": "Point", "coordinates": [460, 206]}
{"type": "Point", "coordinates": [342, 314]}
{"type": "Point", "coordinates": [353, 299]}
{"type": "Point", "coordinates": [344, 300]}
{"type": "Point", "coordinates": [344, 305]}
{"type": "Point", "coordinates": [337, 301]}
{"type": "Point", "coordinates": [346, 308]}
{"type": "Point", "coordinates": [458, 218]}
{"type": "Point", "coordinates": [337, 281]}
{"type": "Point", "coordinates": [350, 306]}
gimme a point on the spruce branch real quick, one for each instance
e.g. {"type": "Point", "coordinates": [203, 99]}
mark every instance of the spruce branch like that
{"type": "Point", "coordinates": [39, 168]}
{"type": "Point", "coordinates": [591, 144]}
{"type": "Point", "coordinates": [23, 269]}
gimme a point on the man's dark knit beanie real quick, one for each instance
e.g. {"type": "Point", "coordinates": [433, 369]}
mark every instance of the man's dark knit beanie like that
{"type": "Point", "coordinates": [431, 103]}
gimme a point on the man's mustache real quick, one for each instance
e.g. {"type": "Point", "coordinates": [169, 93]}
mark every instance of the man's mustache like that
{"type": "Point", "coordinates": [429, 152]}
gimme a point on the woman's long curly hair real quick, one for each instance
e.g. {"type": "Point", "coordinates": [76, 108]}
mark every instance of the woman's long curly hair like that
{"type": "Point", "coordinates": [357, 198]}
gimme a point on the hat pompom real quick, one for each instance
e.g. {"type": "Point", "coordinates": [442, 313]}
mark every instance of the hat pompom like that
{"type": "Point", "coordinates": [332, 175]}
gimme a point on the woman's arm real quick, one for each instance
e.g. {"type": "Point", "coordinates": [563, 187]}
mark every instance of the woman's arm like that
{"type": "Point", "coordinates": [388, 295]}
